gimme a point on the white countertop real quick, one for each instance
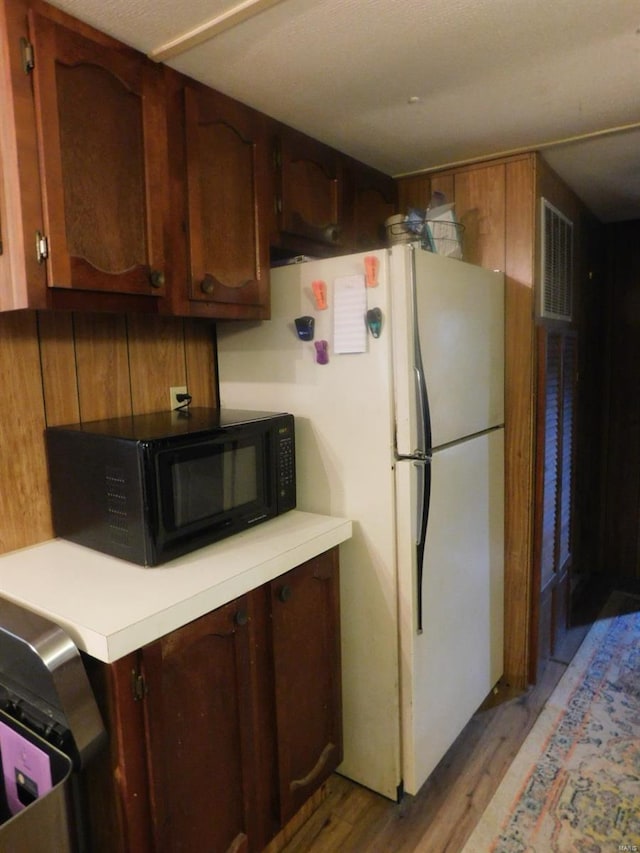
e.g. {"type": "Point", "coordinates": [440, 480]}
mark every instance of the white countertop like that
{"type": "Point", "coordinates": [110, 607]}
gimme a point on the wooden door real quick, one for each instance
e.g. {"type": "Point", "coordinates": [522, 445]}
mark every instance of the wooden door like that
{"type": "Point", "coordinates": [309, 199]}
{"type": "Point", "coordinates": [306, 644]}
{"type": "Point", "coordinates": [620, 502]}
{"type": "Point", "coordinates": [226, 151]}
{"type": "Point", "coordinates": [102, 142]}
{"type": "Point", "coordinates": [557, 362]}
{"type": "Point", "coordinates": [199, 718]}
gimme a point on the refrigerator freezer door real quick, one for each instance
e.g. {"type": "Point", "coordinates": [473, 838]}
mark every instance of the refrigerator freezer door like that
{"type": "Point", "coordinates": [457, 312]}
{"type": "Point", "coordinates": [344, 461]}
{"type": "Point", "coordinates": [449, 668]}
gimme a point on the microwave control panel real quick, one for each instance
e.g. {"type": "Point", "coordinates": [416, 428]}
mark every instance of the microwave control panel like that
{"type": "Point", "coordinates": [286, 466]}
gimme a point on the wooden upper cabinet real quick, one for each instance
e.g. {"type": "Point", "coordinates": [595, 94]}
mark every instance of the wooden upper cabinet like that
{"type": "Point", "coordinates": [22, 279]}
{"type": "Point", "coordinates": [371, 197]}
{"type": "Point", "coordinates": [127, 187]}
{"type": "Point", "coordinates": [226, 174]}
{"type": "Point", "coordinates": [309, 191]}
{"type": "Point", "coordinates": [102, 146]}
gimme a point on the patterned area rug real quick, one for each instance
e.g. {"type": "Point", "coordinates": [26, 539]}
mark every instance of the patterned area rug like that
{"type": "Point", "coordinates": [574, 786]}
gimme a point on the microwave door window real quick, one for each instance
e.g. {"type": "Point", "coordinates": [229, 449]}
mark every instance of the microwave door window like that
{"type": "Point", "coordinates": [240, 470]}
{"type": "Point", "coordinates": [197, 489]}
{"type": "Point", "coordinates": [206, 486]}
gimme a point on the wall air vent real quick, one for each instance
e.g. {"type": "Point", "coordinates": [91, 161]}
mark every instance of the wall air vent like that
{"type": "Point", "coordinates": [556, 268]}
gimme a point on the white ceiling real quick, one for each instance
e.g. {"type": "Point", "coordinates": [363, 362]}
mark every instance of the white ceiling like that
{"type": "Point", "coordinates": [409, 85]}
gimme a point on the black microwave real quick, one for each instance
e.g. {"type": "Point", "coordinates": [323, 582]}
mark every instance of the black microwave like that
{"type": "Point", "coordinates": [148, 488]}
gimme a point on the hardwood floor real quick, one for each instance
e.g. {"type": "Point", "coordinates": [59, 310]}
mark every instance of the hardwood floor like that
{"type": "Point", "coordinates": [352, 819]}
{"type": "Point", "coordinates": [346, 818]}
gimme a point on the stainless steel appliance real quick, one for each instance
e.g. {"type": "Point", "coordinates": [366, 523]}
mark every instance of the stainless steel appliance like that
{"type": "Point", "coordinates": [50, 728]}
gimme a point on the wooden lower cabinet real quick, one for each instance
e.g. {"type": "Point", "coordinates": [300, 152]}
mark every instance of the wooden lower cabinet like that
{"type": "Point", "coordinates": [221, 730]}
{"type": "Point", "coordinates": [306, 645]}
{"type": "Point", "coordinates": [199, 711]}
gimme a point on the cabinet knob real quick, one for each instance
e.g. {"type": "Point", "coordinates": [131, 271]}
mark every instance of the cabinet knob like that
{"type": "Point", "coordinates": [241, 618]}
{"type": "Point", "coordinates": [284, 594]}
{"type": "Point", "coordinates": [207, 285]}
{"type": "Point", "coordinates": [156, 278]}
{"type": "Point", "coordinates": [332, 233]}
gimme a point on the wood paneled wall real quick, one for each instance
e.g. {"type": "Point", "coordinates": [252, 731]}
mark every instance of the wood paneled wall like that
{"type": "Point", "coordinates": [59, 367]}
{"type": "Point", "coordinates": [495, 202]}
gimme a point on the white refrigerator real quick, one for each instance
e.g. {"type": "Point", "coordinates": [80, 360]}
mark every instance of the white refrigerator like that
{"type": "Point", "coordinates": [399, 405]}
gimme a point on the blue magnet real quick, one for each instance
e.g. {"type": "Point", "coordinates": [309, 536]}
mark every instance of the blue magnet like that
{"type": "Point", "coordinates": [304, 328]}
{"type": "Point", "coordinates": [374, 321]}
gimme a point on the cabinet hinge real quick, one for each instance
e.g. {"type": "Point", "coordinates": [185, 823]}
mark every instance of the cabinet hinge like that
{"type": "Point", "coordinates": [42, 247]}
{"type": "Point", "coordinates": [138, 685]}
{"type": "Point", "coordinates": [28, 59]}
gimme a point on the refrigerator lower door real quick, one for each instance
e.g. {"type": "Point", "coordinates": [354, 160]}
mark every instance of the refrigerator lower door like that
{"type": "Point", "coordinates": [449, 667]}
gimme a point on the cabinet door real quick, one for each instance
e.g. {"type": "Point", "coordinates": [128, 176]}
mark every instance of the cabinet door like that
{"type": "Point", "coordinates": [372, 198]}
{"type": "Point", "coordinates": [226, 151]}
{"type": "Point", "coordinates": [199, 712]}
{"type": "Point", "coordinates": [102, 140]}
{"type": "Point", "coordinates": [309, 201]}
{"type": "Point", "coordinates": [115, 784]}
{"type": "Point", "coordinates": [306, 643]}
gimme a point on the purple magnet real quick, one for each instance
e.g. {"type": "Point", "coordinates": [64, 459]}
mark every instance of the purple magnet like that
{"type": "Point", "coordinates": [322, 352]}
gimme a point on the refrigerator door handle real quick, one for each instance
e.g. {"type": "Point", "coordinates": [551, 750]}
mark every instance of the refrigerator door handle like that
{"type": "Point", "coordinates": [423, 418]}
{"type": "Point", "coordinates": [422, 406]}
{"type": "Point", "coordinates": [423, 498]}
